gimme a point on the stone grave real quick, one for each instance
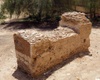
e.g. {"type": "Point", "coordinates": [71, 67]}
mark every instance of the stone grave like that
{"type": "Point", "coordinates": [39, 50]}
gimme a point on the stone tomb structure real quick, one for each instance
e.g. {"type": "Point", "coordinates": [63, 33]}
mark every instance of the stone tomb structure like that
{"type": "Point", "coordinates": [39, 50]}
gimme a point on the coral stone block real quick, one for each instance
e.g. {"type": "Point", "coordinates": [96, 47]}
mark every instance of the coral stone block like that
{"type": "Point", "coordinates": [39, 50]}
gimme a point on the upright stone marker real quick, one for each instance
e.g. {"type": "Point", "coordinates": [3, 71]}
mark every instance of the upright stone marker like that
{"type": "Point", "coordinates": [39, 50]}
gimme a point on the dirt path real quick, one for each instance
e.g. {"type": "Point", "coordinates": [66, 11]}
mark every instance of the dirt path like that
{"type": "Point", "coordinates": [85, 68]}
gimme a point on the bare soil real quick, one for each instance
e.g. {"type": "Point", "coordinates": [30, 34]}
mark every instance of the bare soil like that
{"type": "Point", "coordinates": [79, 67]}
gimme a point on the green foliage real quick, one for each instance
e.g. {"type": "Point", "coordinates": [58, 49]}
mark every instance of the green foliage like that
{"type": "Point", "coordinates": [44, 10]}
{"type": "Point", "coordinates": [39, 9]}
{"type": "Point", "coordinates": [16, 6]}
{"type": "Point", "coordinates": [91, 6]}
{"type": "Point", "coordinates": [29, 7]}
{"type": "Point", "coordinates": [2, 16]}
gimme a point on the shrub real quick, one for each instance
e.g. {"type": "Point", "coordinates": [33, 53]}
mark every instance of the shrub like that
{"type": "Point", "coordinates": [41, 10]}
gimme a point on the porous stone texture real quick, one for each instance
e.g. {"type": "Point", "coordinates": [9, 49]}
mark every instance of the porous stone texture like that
{"type": "Point", "coordinates": [39, 50]}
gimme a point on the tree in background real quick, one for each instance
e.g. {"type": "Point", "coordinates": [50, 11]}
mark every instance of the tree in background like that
{"type": "Point", "coordinates": [44, 10]}
{"type": "Point", "coordinates": [38, 9]}
{"type": "Point", "coordinates": [91, 7]}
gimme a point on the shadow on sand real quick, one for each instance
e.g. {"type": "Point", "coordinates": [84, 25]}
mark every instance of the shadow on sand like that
{"type": "Point", "coordinates": [29, 25]}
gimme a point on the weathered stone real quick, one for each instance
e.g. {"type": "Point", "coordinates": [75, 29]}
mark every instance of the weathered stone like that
{"type": "Point", "coordinates": [39, 50]}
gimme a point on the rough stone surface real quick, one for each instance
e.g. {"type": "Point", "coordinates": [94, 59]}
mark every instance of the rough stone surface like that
{"type": "Point", "coordinates": [39, 50]}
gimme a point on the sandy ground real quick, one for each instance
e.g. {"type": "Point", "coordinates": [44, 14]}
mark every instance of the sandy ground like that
{"type": "Point", "coordinates": [81, 67]}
